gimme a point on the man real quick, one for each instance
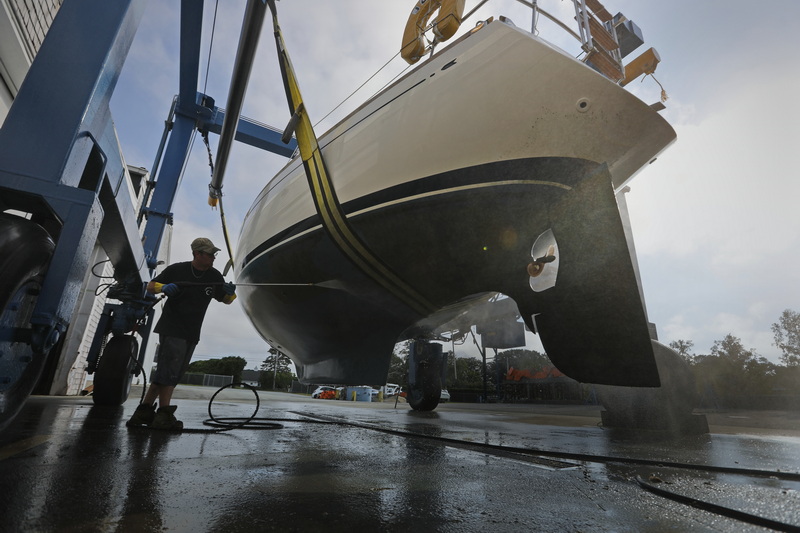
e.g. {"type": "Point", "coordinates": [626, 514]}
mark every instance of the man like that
{"type": "Point", "coordinates": [189, 287]}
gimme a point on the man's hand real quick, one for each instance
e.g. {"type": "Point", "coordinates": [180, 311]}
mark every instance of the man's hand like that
{"type": "Point", "coordinates": [170, 289]}
{"type": "Point", "coordinates": [230, 293]}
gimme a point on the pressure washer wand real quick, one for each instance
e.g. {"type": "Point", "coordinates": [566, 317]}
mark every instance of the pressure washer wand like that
{"type": "Point", "coordinates": [332, 284]}
{"type": "Point", "coordinates": [276, 284]}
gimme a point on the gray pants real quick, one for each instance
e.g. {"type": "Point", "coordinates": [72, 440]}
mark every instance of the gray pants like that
{"type": "Point", "coordinates": [172, 360]}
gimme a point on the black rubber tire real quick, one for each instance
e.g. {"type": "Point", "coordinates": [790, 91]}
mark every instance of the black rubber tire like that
{"type": "Point", "coordinates": [424, 395]}
{"type": "Point", "coordinates": [25, 252]}
{"type": "Point", "coordinates": [112, 379]}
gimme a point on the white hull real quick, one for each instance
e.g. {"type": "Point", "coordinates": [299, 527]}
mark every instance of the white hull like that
{"type": "Point", "coordinates": [509, 96]}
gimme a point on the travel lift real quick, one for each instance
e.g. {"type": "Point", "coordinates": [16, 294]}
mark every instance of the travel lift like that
{"type": "Point", "coordinates": [62, 189]}
{"type": "Point", "coordinates": [62, 178]}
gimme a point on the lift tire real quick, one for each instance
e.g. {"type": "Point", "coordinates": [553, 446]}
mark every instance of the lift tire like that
{"type": "Point", "coordinates": [426, 397]}
{"type": "Point", "coordinates": [426, 391]}
{"type": "Point", "coordinates": [112, 379]}
{"type": "Point", "coordinates": [25, 252]}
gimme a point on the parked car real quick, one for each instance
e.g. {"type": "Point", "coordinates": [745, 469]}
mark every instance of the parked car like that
{"type": "Point", "coordinates": [321, 389]}
{"type": "Point", "coordinates": [445, 397]}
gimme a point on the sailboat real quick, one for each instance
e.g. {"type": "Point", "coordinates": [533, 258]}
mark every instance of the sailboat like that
{"type": "Point", "coordinates": [480, 188]}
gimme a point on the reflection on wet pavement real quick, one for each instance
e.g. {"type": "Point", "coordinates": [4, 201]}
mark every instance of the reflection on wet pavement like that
{"type": "Point", "coordinates": [66, 465]}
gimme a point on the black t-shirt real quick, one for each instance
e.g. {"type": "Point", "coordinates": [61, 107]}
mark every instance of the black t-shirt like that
{"type": "Point", "coordinates": [183, 313]}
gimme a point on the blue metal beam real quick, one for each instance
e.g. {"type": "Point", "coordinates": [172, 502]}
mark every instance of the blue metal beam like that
{"type": "Point", "coordinates": [188, 111]}
{"type": "Point", "coordinates": [191, 33]}
{"type": "Point", "coordinates": [195, 110]}
{"type": "Point", "coordinates": [254, 134]}
{"type": "Point", "coordinates": [243, 65]}
{"type": "Point", "coordinates": [159, 213]}
{"type": "Point", "coordinates": [58, 148]}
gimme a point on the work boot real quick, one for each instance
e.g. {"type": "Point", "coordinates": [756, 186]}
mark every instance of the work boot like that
{"type": "Point", "coordinates": [143, 416]}
{"type": "Point", "coordinates": [165, 419]}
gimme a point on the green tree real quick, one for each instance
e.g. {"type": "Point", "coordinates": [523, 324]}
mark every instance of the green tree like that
{"type": "Point", "coordinates": [684, 349]}
{"type": "Point", "coordinates": [733, 351]}
{"type": "Point", "coordinates": [520, 358]}
{"type": "Point", "coordinates": [733, 373]}
{"type": "Point", "coordinates": [786, 381]}
{"type": "Point", "coordinates": [226, 366]}
{"type": "Point", "coordinates": [201, 367]}
{"type": "Point", "coordinates": [786, 332]}
{"type": "Point", "coordinates": [467, 373]}
{"type": "Point", "coordinates": [398, 370]}
{"type": "Point", "coordinates": [275, 371]}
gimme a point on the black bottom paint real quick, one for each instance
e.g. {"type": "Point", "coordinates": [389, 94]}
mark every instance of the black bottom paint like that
{"type": "Point", "coordinates": [451, 237]}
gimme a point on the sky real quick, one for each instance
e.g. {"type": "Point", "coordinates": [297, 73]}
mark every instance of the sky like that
{"type": "Point", "coordinates": [715, 218]}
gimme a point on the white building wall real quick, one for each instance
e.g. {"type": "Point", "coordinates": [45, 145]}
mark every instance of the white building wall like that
{"type": "Point", "coordinates": [23, 25]}
{"type": "Point", "coordinates": [83, 326]}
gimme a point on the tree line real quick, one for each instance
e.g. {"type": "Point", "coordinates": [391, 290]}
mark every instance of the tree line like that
{"type": "Point", "coordinates": [226, 366]}
{"type": "Point", "coordinates": [274, 372]}
{"type": "Point", "coordinates": [730, 375]}
{"type": "Point", "coordinates": [734, 376]}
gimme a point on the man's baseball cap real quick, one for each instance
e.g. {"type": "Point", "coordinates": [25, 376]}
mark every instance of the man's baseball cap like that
{"type": "Point", "coordinates": [201, 244]}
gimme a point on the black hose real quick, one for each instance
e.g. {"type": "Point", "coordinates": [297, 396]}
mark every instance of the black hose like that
{"type": "Point", "coordinates": [589, 458]}
{"type": "Point", "coordinates": [604, 459]}
{"type": "Point", "coordinates": [251, 422]}
{"type": "Point", "coordinates": [227, 424]}
{"type": "Point", "coordinates": [220, 425]}
{"type": "Point", "coordinates": [717, 509]}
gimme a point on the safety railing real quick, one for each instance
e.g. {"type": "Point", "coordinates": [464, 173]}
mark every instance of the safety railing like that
{"type": "Point", "coordinates": [596, 31]}
{"type": "Point", "coordinates": [605, 39]}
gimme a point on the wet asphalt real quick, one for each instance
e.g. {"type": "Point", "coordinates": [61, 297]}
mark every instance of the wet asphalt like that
{"type": "Point", "coordinates": [326, 465]}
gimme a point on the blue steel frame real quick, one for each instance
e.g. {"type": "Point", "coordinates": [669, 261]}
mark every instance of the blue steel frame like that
{"type": "Point", "coordinates": [60, 160]}
{"type": "Point", "coordinates": [195, 111]}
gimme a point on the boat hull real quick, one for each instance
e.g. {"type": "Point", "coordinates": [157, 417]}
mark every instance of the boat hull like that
{"type": "Point", "coordinates": [454, 214]}
{"type": "Point", "coordinates": [456, 244]}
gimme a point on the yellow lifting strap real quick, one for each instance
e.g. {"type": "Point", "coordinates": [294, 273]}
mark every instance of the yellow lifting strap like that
{"type": "Point", "coordinates": [331, 213]}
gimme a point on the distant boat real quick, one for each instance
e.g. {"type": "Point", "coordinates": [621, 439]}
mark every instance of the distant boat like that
{"type": "Point", "coordinates": [491, 168]}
